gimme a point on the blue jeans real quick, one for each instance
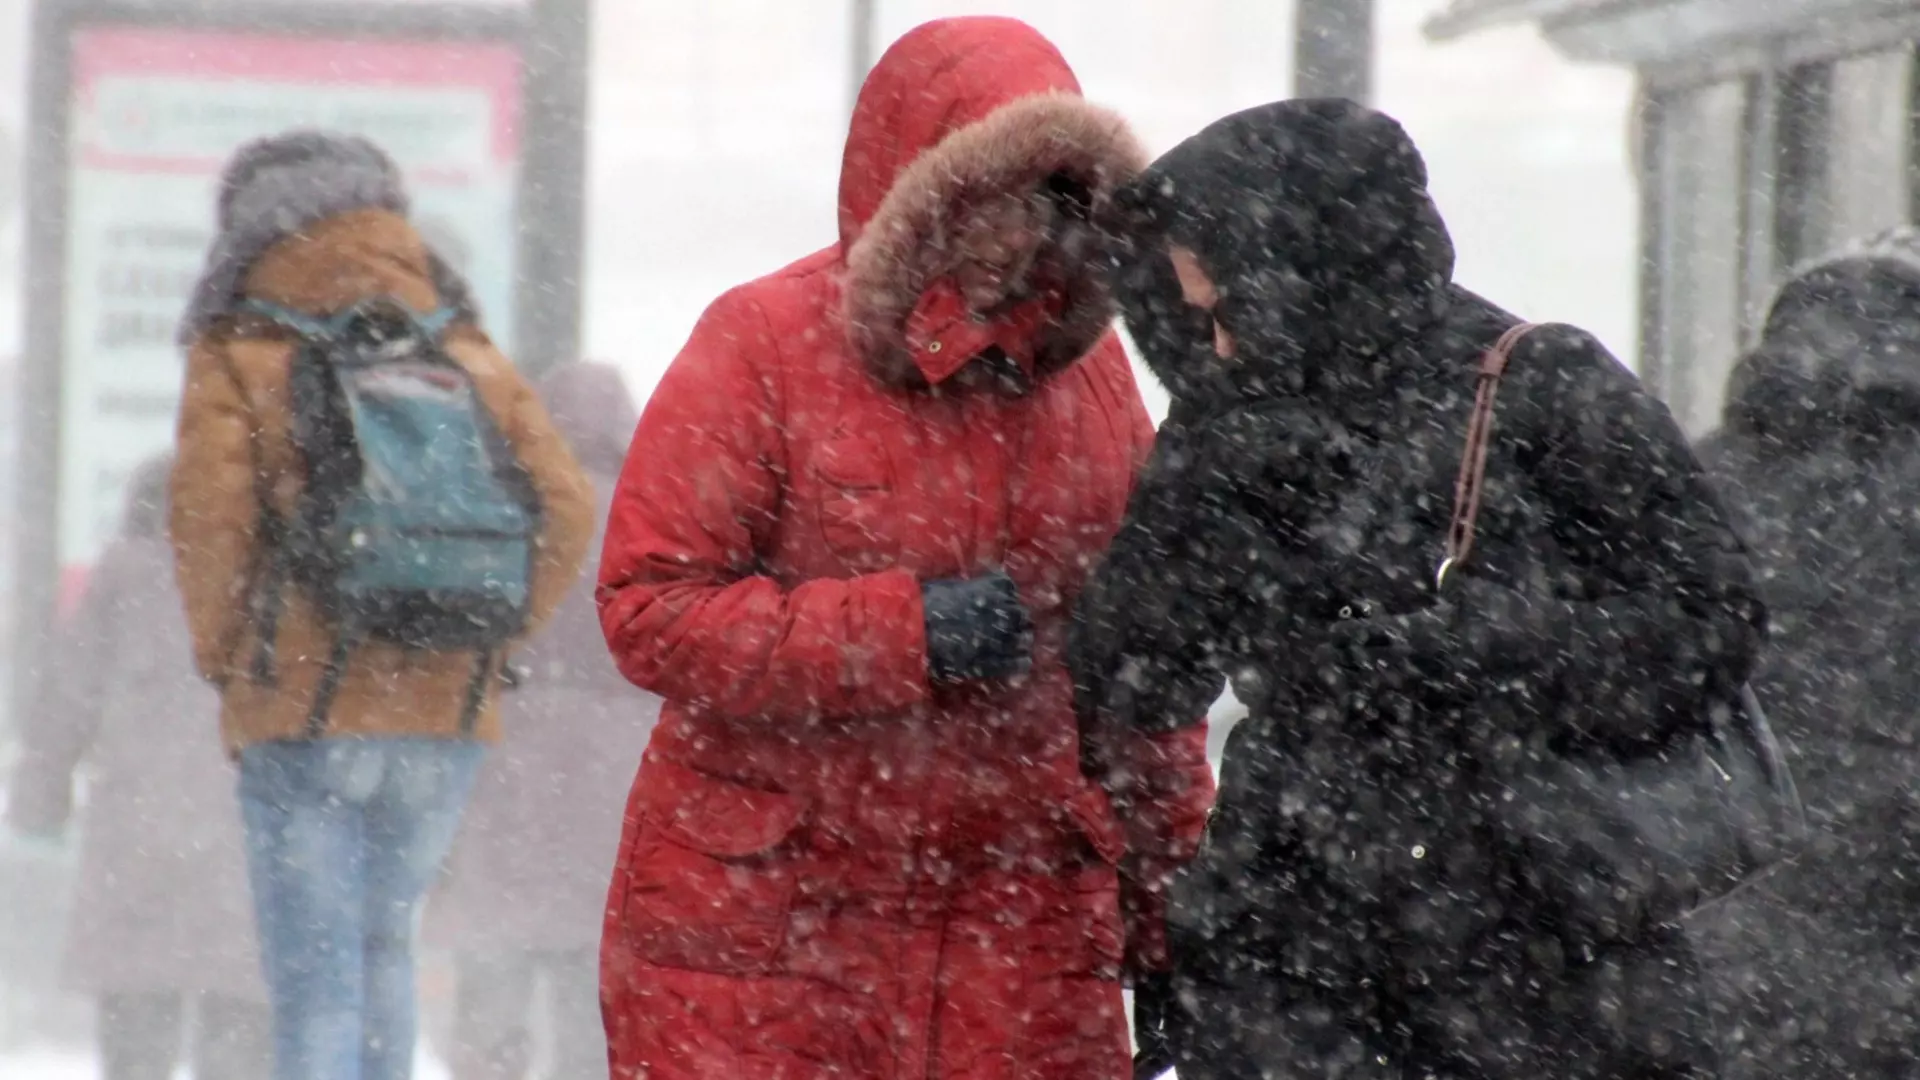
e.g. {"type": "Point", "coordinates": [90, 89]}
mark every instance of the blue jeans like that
{"type": "Point", "coordinates": [343, 838]}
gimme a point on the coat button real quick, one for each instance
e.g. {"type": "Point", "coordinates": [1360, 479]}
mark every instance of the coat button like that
{"type": "Point", "coordinates": [933, 346]}
{"type": "Point", "coordinates": [1419, 851]}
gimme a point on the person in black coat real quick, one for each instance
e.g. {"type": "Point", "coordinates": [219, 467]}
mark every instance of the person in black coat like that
{"type": "Point", "coordinates": [1818, 460]}
{"type": "Point", "coordinates": [1360, 908]}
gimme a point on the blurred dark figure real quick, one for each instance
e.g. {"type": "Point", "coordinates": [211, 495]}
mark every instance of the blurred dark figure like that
{"type": "Point", "coordinates": [527, 890]}
{"type": "Point", "coordinates": [1364, 907]}
{"type": "Point", "coordinates": [1818, 459]}
{"type": "Point", "coordinates": [161, 932]}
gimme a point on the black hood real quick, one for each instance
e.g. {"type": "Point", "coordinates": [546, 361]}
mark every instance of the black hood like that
{"type": "Point", "coordinates": [1839, 354]}
{"type": "Point", "coordinates": [1313, 218]}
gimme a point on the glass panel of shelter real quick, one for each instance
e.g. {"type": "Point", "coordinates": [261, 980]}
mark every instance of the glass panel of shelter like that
{"type": "Point", "coordinates": [1870, 143]}
{"type": "Point", "coordinates": [1752, 177]}
{"type": "Point", "coordinates": [1701, 163]}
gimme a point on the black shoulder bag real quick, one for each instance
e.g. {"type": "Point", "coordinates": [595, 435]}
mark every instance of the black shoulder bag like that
{"type": "Point", "coordinates": [1622, 844]}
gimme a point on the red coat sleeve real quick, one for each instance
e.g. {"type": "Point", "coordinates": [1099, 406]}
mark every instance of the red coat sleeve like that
{"type": "Point", "coordinates": [1161, 786]}
{"type": "Point", "coordinates": [686, 612]}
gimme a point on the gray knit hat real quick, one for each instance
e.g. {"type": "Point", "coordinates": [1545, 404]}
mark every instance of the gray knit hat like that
{"type": "Point", "coordinates": [277, 186]}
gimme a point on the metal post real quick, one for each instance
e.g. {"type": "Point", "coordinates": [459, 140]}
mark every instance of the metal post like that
{"type": "Point", "coordinates": [553, 195]}
{"type": "Point", "coordinates": [1333, 49]}
{"type": "Point", "coordinates": [860, 47]}
{"type": "Point", "coordinates": [35, 413]}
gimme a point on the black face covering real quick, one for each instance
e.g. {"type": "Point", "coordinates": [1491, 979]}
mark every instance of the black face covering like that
{"type": "Point", "coordinates": [1313, 219]}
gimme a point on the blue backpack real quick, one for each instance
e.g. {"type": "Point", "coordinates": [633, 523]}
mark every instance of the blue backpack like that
{"type": "Point", "coordinates": [417, 524]}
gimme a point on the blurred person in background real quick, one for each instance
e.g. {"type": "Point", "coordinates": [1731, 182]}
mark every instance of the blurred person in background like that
{"type": "Point", "coordinates": [161, 932]}
{"type": "Point", "coordinates": [356, 751]}
{"type": "Point", "coordinates": [527, 886]}
{"type": "Point", "coordinates": [1818, 460]}
{"type": "Point", "coordinates": [844, 547]}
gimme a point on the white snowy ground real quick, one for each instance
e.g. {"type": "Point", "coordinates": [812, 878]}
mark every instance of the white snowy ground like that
{"type": "Point", "coordinates": [71, 1066]}
{"type": "Point", "coordinates": [79, 1065]}
{"type": "Point", "coordinates": [82, 1065]}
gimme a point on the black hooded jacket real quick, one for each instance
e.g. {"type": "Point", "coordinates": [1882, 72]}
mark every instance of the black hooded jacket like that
{"type": "Point", "coordinates": [1310, 479]}
{"type": "Point", "coordinates": [1818, 459]}
{"type": "Point", "coordinates": [1288, 529]}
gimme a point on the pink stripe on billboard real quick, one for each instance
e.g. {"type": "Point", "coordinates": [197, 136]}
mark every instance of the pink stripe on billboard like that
{"type": "Point", "coordinates": [109, 161]}
{"type": "Point", "coordinates": [210, 56]}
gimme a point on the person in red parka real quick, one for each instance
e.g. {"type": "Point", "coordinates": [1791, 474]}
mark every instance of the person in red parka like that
{"type": "Point", "coordinates": [844, 549]}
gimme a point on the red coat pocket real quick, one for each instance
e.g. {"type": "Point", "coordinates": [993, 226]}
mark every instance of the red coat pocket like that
{"type": "Point", "coordinates": [711, 877]}
{"type": "Point", "coordinates": [857, 508]}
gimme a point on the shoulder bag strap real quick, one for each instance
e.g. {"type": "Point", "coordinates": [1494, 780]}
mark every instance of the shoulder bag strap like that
{"type": "Point", "coordinates": [1473, 457]}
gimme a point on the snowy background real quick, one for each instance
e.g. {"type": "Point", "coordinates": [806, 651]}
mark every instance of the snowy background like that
{"type": "Point", "coordinates": [715, 148]}
{"type": "Point", "coordinates": [717, 134]}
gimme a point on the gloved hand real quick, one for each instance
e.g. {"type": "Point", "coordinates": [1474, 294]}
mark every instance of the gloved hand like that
{"type": "Point", "coordinates": [1155, 1002]}
{"type": "Point", "coordinates": [977, 629]}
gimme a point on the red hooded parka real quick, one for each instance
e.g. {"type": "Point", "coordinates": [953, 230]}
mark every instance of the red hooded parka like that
{"type": "Point", "coordinates": [832, 866]}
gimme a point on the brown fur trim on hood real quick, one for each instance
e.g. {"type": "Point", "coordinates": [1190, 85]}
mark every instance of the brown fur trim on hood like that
{"type": "Point", "coordinates": [913, 239]}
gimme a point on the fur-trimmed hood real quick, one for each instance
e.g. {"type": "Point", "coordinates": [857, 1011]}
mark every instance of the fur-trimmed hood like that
{"type": "Point", "coordinates": [278, 187]}
{"type": "Point", "coordinates": [962, 117]}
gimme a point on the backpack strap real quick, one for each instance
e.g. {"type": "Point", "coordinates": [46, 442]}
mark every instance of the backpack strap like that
{"type": "Point", "coordinates": [1468, 486]}
{"type": "Point", "coordinates": [329, 686]}
{"type": "Point", "coordinates": [267, 596]}
{"type": "Point", "coordinates": [433, 324]}
{"type": "Point", "coordinates": [476, 691]}
{"type": "Point", "coordinates": [307, 326]}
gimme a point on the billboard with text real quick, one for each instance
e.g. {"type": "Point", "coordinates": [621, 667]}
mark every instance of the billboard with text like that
{"type": "Point", "coordinates": [154, 112]}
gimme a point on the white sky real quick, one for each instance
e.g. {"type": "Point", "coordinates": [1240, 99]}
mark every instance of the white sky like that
{"type": "Point", "coordinates": [718, 123]}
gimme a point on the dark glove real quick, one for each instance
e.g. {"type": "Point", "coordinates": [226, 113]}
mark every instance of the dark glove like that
{"type": "Point", "coordinates": [1155, 1002]}
{"type": "Point", "coordinates": [977, 629]}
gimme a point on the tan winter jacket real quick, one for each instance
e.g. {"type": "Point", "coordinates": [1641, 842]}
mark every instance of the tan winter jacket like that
{"type": "Point", "coordinates": [234, 442]}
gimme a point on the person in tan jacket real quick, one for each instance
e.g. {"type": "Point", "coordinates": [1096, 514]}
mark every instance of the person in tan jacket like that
{"type": "Point", "coordinates": [349, 808]}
